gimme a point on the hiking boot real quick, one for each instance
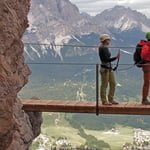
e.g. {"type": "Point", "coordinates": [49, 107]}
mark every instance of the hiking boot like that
{"type": "Point", "coordinates": [145, 102]}
{"type": "Point", "coordinates": [107, 103]}
{"type": "Point", "coordinates": [114, 102]}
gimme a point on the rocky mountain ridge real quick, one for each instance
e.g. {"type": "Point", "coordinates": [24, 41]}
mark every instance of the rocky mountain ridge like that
{"type": "Point", "coordinates": [60, 22]}
{"type": "Point", "coordinates": [123, 19]}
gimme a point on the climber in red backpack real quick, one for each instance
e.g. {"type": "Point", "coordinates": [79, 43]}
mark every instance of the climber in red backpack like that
{"type": "Point", "coordinates": [142, 59]}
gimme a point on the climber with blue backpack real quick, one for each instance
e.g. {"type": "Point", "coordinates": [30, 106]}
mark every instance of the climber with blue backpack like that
{"type": "Point", "coordinates": [142, 59]}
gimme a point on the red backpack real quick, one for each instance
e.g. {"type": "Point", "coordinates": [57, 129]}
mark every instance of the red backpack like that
{"type": "Point", "coordinates": [145, 53]}
{"type": "Point", "coordinates": [145, 50]}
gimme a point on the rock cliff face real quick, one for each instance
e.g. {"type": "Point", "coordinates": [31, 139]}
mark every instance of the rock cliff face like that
{"type": "Point", "coordinates": [16, 130]}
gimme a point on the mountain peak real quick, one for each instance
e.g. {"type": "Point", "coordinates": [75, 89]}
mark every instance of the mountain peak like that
{"type": "Point", "coordinates": [122, 18]}
{"type": "Point", "coordinates": [117, 7]}
{"type": "Point", "coordinates": [59, 22]}
{"type": "Point", "coordinates": [45, 11]}
{"type": "Point", "coordinates": [120, 7]}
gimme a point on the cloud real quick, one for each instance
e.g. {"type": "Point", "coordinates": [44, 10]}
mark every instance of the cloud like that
{"type": "Point", "coordinates": [94, 7]}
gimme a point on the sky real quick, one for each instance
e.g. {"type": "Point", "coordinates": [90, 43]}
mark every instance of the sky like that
{"type": "Point", "coordinates": [94, 7]}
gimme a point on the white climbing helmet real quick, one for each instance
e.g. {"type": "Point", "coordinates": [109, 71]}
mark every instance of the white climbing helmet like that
{"type": "Point", "coordinates": [104, 37]}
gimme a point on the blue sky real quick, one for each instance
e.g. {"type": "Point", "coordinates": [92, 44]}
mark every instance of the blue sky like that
{"type": "Point", "coordinates": [94, 7]}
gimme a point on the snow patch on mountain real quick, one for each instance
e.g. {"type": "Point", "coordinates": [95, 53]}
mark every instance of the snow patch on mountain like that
{"type": "Point", "coordinates": [31, 28]}
{"type": "Point", "coordinates": [76, 38]}
{"type": "Point", "coordinates": [125, 23]}
{"type": "Point", "coordinates": [126, 52]}
{"type": "Point", "coordinates": [60, 40]}
{"type": "Point", "coordinates": [41, 6]}
{"type": "Point", "coordinates": [145, 28]}
{"type": "Point", "coordinates": [26, 51]}
{"type": "Point", "coordinates": [46, 45]}
{"type": "Point", "coordinates": [36, 51]}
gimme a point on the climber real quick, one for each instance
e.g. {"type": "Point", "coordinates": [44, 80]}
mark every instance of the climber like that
{"type": "Point", "coordinates": [142, 59]}
{"type": "Point", "coordinates": [107, 74]}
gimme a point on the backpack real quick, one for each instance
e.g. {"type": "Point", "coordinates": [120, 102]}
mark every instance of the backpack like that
{"type": "Point", "coordinates": [140, 55]}
{"type": "Point", "coordinates": [145, 53]}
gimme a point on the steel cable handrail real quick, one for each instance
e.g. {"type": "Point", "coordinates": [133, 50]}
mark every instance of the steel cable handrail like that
{"type": "Point", "coordinates": [82, 64]}
{"type": "Point", "coordinates": [73, 45]}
